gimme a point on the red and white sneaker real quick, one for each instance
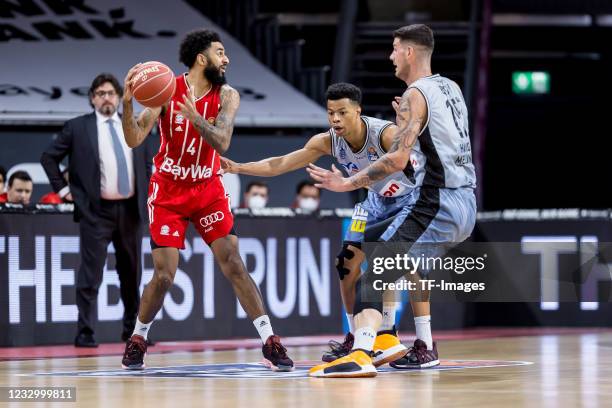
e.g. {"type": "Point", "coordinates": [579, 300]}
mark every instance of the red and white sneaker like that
{"type": "Point", "coordinates": [418, 357]}
{"type": "Point", "coordinates": [135, 352]}
{"type": "Point", "coordinates": [275, 355]}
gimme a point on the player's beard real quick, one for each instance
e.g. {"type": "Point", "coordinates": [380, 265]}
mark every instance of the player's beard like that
{"type": "Point", "coordinates": [214, 75]}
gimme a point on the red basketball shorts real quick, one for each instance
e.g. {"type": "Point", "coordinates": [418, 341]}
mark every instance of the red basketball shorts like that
{"type": "Point", "coordinates": [173, 204]}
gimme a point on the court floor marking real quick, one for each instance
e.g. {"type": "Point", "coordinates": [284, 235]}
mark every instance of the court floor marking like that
{"type": "Point", "coordinates": [256, 370]}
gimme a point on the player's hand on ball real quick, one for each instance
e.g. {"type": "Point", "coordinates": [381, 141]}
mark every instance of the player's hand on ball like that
{"type": "Point", "coordinates": [228, 166]}
{"type": "Point", "coordinates": [187, 107]}
{"type": "Point", "coordinates": [331, 180]}
{"type": "Point", "coordinates": [128, 83]}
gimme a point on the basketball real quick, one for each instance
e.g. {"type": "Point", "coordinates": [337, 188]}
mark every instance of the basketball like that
{"type": "Point", "coordinates": [154, 84]}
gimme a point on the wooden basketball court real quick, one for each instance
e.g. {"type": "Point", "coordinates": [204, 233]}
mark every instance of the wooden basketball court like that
{"type": "Point", "coordinates": [552, 368]}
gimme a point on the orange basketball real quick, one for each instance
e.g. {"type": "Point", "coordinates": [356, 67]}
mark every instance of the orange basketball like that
{"type": "Point", "coordinates": [154, 84]}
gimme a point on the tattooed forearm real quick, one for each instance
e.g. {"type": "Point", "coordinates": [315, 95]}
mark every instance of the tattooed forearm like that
{"type": "Point", "coordinates": [376, 171]}
{"type": "Point", "coordinates": [131, 131]}
{"type": "Point", "coordinates": [214, 136]}
{"type": "Point", "coordinates": [136, 130]}
{"type": "Point", "coordinates": [414, 110]}
{"type": "Point", "coordinates": [220, 134]}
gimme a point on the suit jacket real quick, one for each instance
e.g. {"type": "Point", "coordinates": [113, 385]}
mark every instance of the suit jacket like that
{"type": "Point", "coordinates": [79, 141]}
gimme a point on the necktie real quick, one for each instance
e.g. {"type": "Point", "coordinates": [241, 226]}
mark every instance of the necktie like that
{"type": "Point", "coordinates": [123, 182]}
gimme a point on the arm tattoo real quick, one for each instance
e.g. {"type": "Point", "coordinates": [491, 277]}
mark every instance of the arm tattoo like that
{"type": "Point", "coordinates": [131, 130]}
{"type": "Point", "coordinates": [219, 134]}
{"type": "Point", "coordinates": [376, 171]}
{"type": "Point", "coordinates": [403, 141]}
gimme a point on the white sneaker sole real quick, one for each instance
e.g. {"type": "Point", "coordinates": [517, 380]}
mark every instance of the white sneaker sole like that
{"type": "Point", "coordinates": [366, 371]}
{"type": "Point", "coordinates": [272, 367]}
{"type": "Point", "coordinates": [420, 366]}
{"type": "Point", "coordinates": [389, 355]}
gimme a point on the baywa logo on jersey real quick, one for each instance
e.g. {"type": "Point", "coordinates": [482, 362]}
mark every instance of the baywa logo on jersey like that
{"type": "Point", "coordinates": [372, 154]}
{"type": "Point", "coordinates": [210, 219]}
{"type": "Point", "coordinates": [192, 171]}
{"type": "Point", "coordinates": [350, 167]}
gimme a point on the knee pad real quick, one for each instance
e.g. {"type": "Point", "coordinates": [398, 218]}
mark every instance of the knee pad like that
{"type": "Point", "coordinates": [345, 253]}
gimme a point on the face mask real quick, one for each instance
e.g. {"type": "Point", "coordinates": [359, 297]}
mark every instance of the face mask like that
{"type": "Point", "coordinates": [308, 203]}
{"type": "Point", "coordinates": [257, 201]}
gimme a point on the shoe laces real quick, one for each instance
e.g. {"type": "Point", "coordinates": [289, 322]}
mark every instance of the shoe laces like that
{"type": "Point", "coordinates": [346, 345]}
{"type": "Point", "coordinates": [419, 352]}
{"type": "Point", "coordinates": [135, 348]}
{"type": "Point", "coordinates": [277, 348]}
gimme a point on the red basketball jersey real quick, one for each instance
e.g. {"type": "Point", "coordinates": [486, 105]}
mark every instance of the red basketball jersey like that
{"type": "Point", "coordinates": [184, 155]}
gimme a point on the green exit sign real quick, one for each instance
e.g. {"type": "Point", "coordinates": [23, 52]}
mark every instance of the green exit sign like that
{"type": "Point", "coordinates": [530, 82]}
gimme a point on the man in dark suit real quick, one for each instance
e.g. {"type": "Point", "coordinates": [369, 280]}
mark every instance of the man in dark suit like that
{"type": "Point", "coordinates": [108, 185]}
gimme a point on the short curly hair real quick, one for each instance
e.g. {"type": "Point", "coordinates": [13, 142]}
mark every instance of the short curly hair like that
{"type": "Point", "coordinates": [343, 90]}
{"type": "Point", "coordinates": [194, 43]}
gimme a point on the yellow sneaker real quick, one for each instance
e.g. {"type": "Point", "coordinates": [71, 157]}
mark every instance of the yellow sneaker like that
{"type": "Point", "coordinates": [387, 348]}
{"type": "Point", "coordinates": [356, 364]}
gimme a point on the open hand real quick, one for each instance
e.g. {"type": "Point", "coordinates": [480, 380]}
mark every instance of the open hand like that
{"type": "Point", "coordinates": [128, 83]}
{"type": "Point", "coordinates": [332, 180]}
{"type": "Point", "coordinates": [187, 107]}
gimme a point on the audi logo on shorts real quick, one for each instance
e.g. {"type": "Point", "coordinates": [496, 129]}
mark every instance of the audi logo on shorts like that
{"type": "Point", "coordinates": [210, 219]}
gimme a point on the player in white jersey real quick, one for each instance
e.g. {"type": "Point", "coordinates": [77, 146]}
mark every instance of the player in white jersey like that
{"type": "Point", "coordinates": [355, 141]}
{"type": "Point", "coordinates": [432, 118]}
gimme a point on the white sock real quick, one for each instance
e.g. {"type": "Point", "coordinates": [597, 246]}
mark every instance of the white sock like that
{"type": "Point", "coordinates": [364, 338]}
{"type": "Point", "coordinates": [142, 329]}
{"type": "Point", "coordinates": [388, 315]}
{"type": "Point", "coordinates": [351, 322]}
{"type": "Point", "coordinates": [263, 326]}
{"type": "Point", "coordinates": [423, 330]}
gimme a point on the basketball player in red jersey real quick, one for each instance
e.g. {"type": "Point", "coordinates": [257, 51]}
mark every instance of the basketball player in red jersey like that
{"type": "Point", "coordinates": [196, 127]}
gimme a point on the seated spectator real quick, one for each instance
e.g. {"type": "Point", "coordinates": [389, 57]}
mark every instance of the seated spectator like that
{"type": "Point", "coordinates": [256, 195]}
{"type": "Point", "coordinates": [308, 197]}
{"type": "Point", "coordinates": [52, 197]}
{"type": "Point", "coordinates": [20, 188]}
{"type": "Point", "coordinates": [2, 179]}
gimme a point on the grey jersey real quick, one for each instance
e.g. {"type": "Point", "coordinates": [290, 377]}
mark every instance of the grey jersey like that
{"type": "Point", "coordinates": [445, 140]}
{"type": "Point", "coordinates": [394, 185]}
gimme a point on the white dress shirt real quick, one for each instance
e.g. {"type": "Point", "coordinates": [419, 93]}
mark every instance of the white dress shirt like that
{"type": "Point", "coordinates": [109, 189]}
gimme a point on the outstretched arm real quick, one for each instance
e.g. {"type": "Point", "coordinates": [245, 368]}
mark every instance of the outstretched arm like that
{"type": "Point", "coordinates": [413, 111]}
{"type": "Point", "coordinates": [218, 135]}
{"type": "Point", "coordinates": [136, 130]}
{"type": "Point", "coordinates": [316, 147]}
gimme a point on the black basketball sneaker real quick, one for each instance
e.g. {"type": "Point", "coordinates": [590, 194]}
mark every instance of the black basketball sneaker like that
{"type": "Point", "coordinates": [338, 350]}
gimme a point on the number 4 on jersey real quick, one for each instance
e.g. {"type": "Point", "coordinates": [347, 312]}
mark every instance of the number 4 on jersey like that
{"type": "Point", "coordinates": [191, 148]}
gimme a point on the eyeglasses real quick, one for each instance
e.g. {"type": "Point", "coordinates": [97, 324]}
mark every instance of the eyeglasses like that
{"type": "Point", "coordinates": [102, 94]}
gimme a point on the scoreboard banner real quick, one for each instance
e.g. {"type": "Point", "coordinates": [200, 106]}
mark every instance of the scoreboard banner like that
{"type": "Point", "coordinates": [291, 262]}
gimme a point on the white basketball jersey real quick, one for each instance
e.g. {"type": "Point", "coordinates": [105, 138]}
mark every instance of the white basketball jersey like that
{"type": "Point", "coordinates": [394, 185]}
{"type": "Point", "coordinates": [445, 139]}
